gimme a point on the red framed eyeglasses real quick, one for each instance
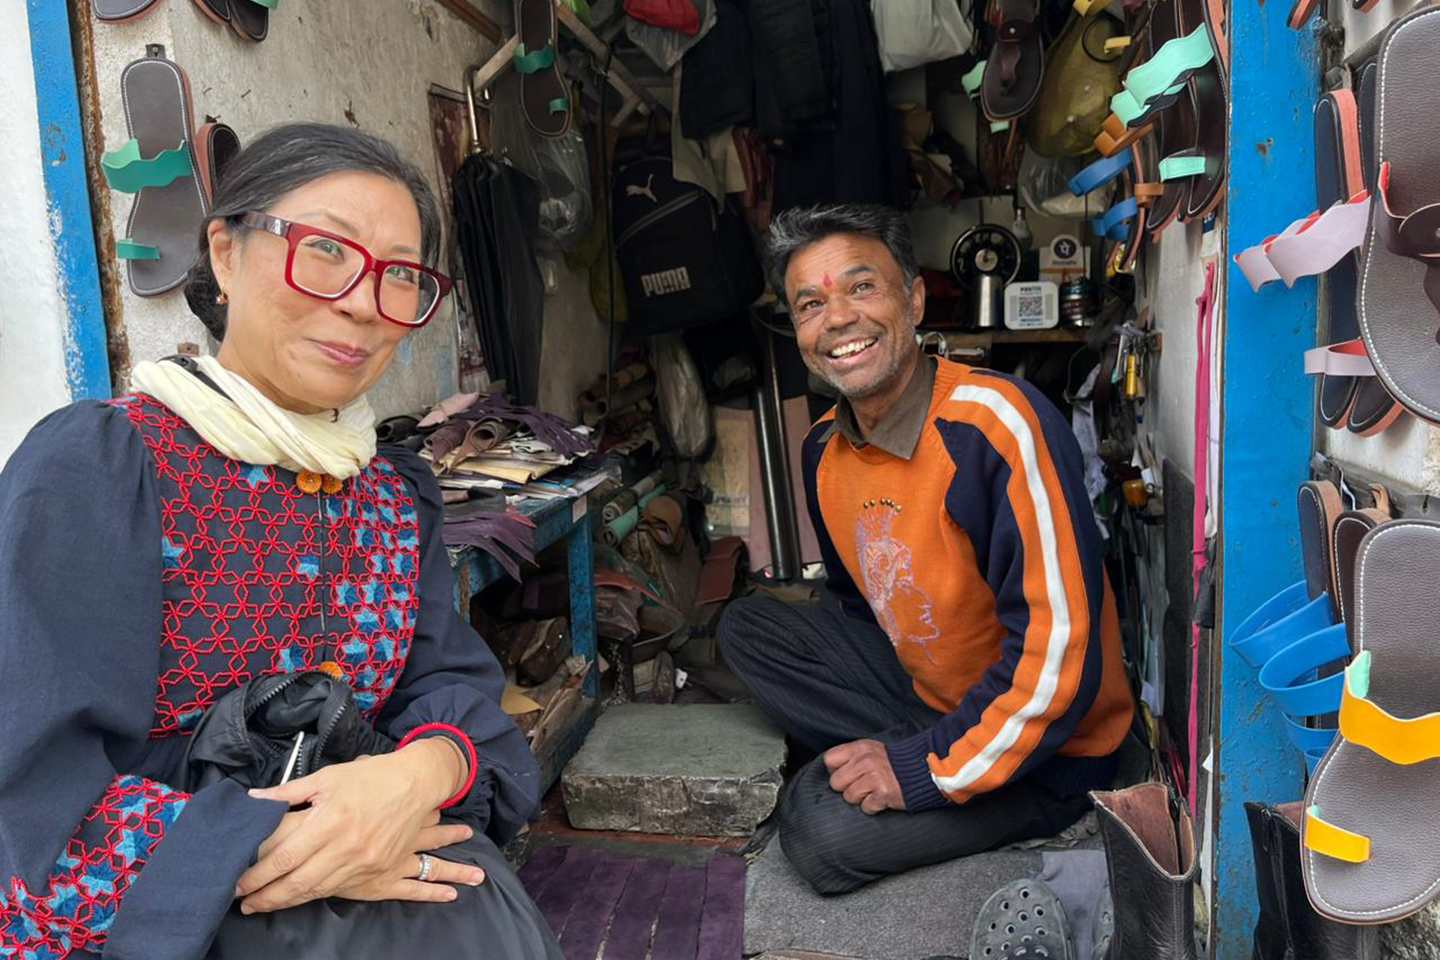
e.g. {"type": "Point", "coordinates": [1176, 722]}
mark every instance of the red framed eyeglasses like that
{"type": "Point", "coordinates": [327, 266]}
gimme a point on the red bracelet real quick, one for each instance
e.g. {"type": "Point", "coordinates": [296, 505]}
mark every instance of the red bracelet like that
{"type": "Point", "coordinates": [425, 728]}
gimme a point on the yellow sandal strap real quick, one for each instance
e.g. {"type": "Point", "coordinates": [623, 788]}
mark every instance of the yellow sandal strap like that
{"type": "Point", "coordinates": [1335, 842]}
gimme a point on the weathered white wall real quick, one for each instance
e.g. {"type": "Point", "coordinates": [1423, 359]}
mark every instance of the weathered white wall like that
{"type": "Point", "coordinates": [32, 310]}
{"type": "Point", "coordinates": [369, 63]}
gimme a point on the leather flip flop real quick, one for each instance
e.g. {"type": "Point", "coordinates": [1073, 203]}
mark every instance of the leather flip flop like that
{"type": "Point", "coordinates": [251, 18]}
{"type": "Point", "coordinates": [157, 164]}
{"type": "Point", "coordinates": [544, 99]}
{"type": "Point", "coordinates": [1320, 508]}
{"type": "Point", "coordinates": [1374, 409]}
{"type": "Point", "coordinates": [1338, 177]}
{"type": "Point", "coordinates": [215, 146]}
{"type": "Point", "coordinates": [1400, 282]}
{"type": "Point", "coordinates": [1350, 529]}
{"type": "Point", "coordinates": [122, 11]}
{"type": "Point", "coordinates": [217, 10]}
{"type": "Point", "coordinates": [1367, 839]}
{"type": "Point", "coordinates": [1015, 70]}
{"type": "Point", "coordinates": [1210, 98]}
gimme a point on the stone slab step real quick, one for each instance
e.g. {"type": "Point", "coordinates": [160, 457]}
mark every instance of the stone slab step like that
{"type": "Point", "coordinates": [691, 770]}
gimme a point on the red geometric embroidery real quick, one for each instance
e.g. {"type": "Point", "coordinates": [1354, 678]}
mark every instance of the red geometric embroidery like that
{"type": "Point", "coordinates": [91, 875]}
{"type": "Point", "coordinates": [261, 578]}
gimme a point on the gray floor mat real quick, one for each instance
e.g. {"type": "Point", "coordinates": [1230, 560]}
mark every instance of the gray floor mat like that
{"type": "Point", "coordinates": [900, 918]}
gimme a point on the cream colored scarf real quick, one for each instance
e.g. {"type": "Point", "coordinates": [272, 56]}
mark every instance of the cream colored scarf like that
{"type": "Point", "coordinates": [249, 427]}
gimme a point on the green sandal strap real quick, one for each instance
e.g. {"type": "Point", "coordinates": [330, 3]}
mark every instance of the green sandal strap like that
{"type": "Point", "coordinates": [560, 105]}
{"type": "Point", "coordinates": [972, 80]}
{"type": "Point", "coordinates": [999, 126]}
{"type": "Point", "coordinates": [1172, 64]}
{"type": "Point", "coordinates": [1131, 112]}
{"type": "Point", "coordinates": [128, 249]}
{"type": "Point", "coordinates": [1182, 165]}
{"type": "Point", "coordinates": [527, 62]}
{"type": "Point", "coordinates": [126, 171]}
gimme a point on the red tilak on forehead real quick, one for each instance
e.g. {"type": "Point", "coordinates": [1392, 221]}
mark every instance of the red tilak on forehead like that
{"type": "Point", "coordinates": [828, 282]}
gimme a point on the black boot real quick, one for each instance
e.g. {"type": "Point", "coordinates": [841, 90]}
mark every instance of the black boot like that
{"type": "Point", "coordinates": [1272, 933]}
{"type": "Point", "coordinates": [1150, 851]}
{"type": "Point", "coordinates": [1312, 937]}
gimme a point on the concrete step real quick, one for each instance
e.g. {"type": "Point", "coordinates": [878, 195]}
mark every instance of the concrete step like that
{"type": "Point", "coordinates": [693, 769]}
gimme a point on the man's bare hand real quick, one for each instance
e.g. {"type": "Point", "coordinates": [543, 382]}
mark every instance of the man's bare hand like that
{"type": "Point", "coordinates": [861, 771]}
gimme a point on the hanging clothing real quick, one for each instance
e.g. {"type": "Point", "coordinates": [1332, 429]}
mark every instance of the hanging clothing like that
{"type": "Point", "coordinates": [185, 573]}
{"type": "Point", "coordinates": [721, 88]}
{"type": "Point", "coordinates": [497, 217]}
{"type": "Point", "coordinates": [857, 156]}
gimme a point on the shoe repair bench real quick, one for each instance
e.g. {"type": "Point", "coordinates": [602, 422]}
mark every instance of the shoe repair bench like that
{"type": "Point", "coordinates": [565, 521]}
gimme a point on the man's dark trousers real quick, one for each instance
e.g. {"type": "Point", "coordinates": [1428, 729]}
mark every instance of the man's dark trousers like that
{"type": "Point", "coordinates": [827, 678]}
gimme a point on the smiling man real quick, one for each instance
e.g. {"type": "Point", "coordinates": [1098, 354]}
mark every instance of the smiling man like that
{"type": "Point", "coordinates": [961, 678]}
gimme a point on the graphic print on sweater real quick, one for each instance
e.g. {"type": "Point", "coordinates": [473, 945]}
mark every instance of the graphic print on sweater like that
{"type": "Point", "coordinates": [903, 609]}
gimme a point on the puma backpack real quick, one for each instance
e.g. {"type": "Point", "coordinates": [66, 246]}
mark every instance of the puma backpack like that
{"type": "Point", "coordinates": [685, 259]}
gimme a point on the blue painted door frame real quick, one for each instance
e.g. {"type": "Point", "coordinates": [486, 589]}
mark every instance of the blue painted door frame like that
{"type": "Point", "coordinates": [1267, 428]}
{"type": "Point", "coordinates": [67, 199]}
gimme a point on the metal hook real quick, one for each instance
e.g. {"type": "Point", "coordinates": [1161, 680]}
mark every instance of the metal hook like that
{"type": "Point", "coordinates": [476, 147]}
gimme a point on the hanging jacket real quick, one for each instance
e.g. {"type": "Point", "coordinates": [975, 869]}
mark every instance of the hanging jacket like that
{"type": "Point", "coordinates": [719, 85]}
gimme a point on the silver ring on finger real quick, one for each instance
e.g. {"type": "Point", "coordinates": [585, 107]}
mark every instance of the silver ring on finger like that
{"type": "Point", "coordinates": [427, 865]}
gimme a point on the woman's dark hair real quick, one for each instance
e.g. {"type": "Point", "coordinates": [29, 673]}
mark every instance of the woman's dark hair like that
{"type": "Point", "coordinates": [283, 159]}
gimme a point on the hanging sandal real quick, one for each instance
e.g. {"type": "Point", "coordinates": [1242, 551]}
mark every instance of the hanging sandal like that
{"type": "Point", "coordinates": [1016, 68]}
{"type": "Point", "coordinates": [251, 18]}
{"type": "Point", "coordinates": [215, 146]}
{"type": "Point", "coordinates": [1400, 282]}
{"type": "Point", "coordinates": [1371, 819]}
{"type": "Point", "coordinates": [1374, 409]}
{"type": "Point", "coordinates": [157, 164]}
{"type": "Point", "coordinates": [122, 11]}
{"type": "Point", "coordinates": [1023, 919]}
{"type": "Point", "coordinates": [216, 10]}
{"type": "Point", "coordinates": [544, 100]}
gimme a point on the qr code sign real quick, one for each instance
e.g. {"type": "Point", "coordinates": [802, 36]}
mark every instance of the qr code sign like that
{"type": "Point", "coordinates": [1031, 306]}
{"type": "Point", "coordinates": [1030, 309]}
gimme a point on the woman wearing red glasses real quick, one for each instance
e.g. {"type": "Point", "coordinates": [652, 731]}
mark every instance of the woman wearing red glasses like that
{"type": "Point", "coordinates": [238, 713]}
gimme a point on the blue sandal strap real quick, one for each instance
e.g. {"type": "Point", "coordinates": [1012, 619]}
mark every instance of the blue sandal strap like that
{"type": "Point", "coordinates": [1280, 621]}
{"type": "Point", "coordinates": [1286, 676]}
{"type": "Point", "coordinates": [1099, 173]}
{"type": "Point", "coordinates": [1113, 224]}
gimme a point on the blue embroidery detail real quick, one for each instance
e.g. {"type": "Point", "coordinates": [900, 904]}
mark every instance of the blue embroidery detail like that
{"type": "Point", "coordinates": [308, 567]}
{"type": "Point", "coordinates": [291, 660]}
{"type": "Point", "coordinates": [257, 477]}
{"type": "Point", "coordinates": [172, 553]}
{"type": "Point", "coordinates": [345, 594]}
{"type": "Point", "coordinates": [368, 621]}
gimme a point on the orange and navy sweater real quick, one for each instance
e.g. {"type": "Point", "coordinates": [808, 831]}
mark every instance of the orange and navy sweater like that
{"type": "Point", "coordinates": [980, 558]}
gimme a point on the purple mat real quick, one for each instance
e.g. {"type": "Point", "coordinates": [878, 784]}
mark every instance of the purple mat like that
{"type": "Point", "coordinates": [639, 909]}
{"type": "Point", "coordinates": [565, 887]}
{"type": "Point", "coordinates": [722, 924]}
{"type": "Point", "coordinates": [677, 935]}
{"type": "Point", "coordinates": [590, 917]}
{"type": "Point", "coordinates": [635, 913]}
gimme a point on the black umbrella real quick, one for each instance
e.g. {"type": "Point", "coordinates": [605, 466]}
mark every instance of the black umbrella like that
{"type": "Point", "coordinates": [497, 221]}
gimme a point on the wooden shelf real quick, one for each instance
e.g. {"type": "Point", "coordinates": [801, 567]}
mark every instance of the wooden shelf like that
{"type": "Point", "coordinates": [989, 338]}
